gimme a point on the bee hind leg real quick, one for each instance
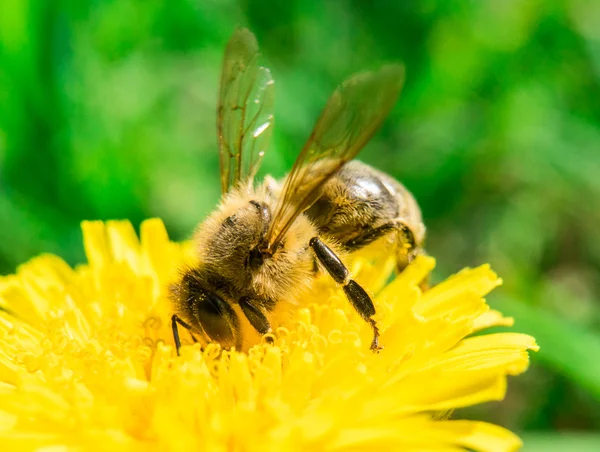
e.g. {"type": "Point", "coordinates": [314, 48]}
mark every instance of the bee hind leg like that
{"type": "Point", "coordinates": [371, 235]}
{"type": "Point", "coordinates": [357, 296]}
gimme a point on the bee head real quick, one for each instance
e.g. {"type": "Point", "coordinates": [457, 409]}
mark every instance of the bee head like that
{"type": "Point", "coordinates": [205, 310]}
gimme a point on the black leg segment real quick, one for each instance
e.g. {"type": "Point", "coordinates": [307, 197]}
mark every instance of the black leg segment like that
{"type": "Point", "coordinates": [175, 319]}
{"type": "Point", "coordinates": [359, 299]}
{"type": "Point", "coordinates": [334, 266]}
{"type": "Point", "coordinates": [354, 292]}
{"type": "Point", "coordinates": [255, 315]}
{"type": "Point", "coordinates": [370, 235]}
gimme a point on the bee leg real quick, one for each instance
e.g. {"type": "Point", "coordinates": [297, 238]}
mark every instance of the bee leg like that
{"type": "Point", "coordinates": [370, 235]}
{"type": "Point", "coordinates": [354, 292]}
{"type": "Point", "coordinates": [407, 250]}
{"type": "Point", "coordinates": [255, 316]}
{"type": "Point", "coordinates": [175, 319]}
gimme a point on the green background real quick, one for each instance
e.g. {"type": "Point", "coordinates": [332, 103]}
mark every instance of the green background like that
{"type": "Point", "coordinates": [107, 110]}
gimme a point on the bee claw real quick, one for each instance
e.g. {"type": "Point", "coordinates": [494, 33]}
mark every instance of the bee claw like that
{"type": "Point", "coordinates": [375, 347]}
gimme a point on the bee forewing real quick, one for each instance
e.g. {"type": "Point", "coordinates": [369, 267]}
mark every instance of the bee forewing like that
{"type": "Point", "coordinates": [352, 115]}
{"type": "Point", "coordinates": [245, 110]}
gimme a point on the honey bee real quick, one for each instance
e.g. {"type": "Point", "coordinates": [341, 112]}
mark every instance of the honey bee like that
{"type": "Point", "coordinates": [264, 244]}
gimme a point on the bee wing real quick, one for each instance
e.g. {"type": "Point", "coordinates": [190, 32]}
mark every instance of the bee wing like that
{"type": "Point", "coordinates": [353, 113]}
{"type": "Point", "coordinates": [245, 110]}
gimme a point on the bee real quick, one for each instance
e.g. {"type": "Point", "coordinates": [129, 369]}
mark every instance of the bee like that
{"type": "Point", "coordinates": [264, 244]}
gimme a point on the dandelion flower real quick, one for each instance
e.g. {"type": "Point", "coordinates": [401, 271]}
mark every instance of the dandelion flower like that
{"type": "Point", "coordinates": [87, 361]}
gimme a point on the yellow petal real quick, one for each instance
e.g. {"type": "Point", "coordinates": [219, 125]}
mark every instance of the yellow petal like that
{"type": "Point", "coordinates": [501, 350]}
{"type": "Point", "coordinates": [481, 436]}
{"type": "Point", "coordinates": [491, 318]}
{"type": "Point", "coordinates": [95, 243]}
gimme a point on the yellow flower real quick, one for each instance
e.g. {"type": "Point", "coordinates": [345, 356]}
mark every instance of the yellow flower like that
{"type": "Point", "coordinates": [87, 361]}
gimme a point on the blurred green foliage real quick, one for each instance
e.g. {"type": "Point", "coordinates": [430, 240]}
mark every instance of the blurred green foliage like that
{"type": "Point", "coordinates": [107, 110]}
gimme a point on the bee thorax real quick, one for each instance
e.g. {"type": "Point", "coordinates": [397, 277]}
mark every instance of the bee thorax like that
{"type": "Point", "coordinates": [232, 244]}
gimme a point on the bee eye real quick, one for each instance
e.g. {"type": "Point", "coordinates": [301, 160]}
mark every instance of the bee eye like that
{"type": "Point", "coordinates": [218, 319]}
